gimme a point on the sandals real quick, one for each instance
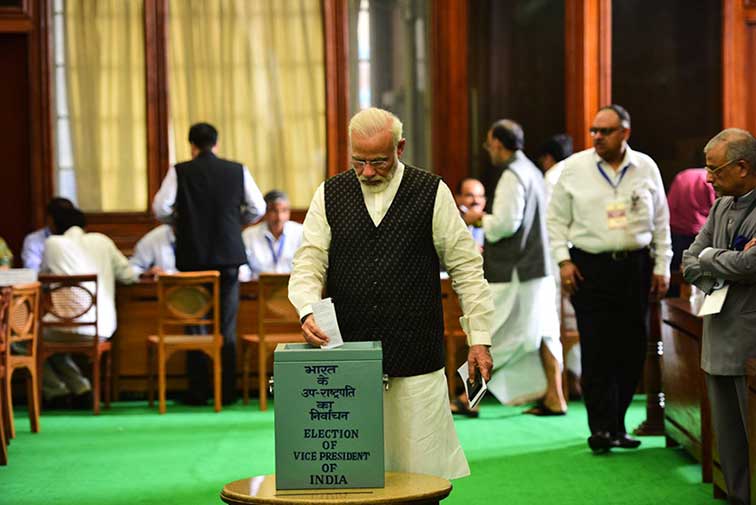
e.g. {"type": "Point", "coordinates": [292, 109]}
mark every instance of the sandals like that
{"type": "Point", "coordinates": [459, 407]}
{"type": "Point", "coordinates": [540, 409]}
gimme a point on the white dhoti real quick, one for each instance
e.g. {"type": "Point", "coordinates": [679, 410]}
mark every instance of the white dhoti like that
{"type": "Point", "coordinates": [419, 433]}
{"type": "Point", "coordinates": [525, 315]}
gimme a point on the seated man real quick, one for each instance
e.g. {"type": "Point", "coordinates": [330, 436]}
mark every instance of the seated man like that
{"type": "Point", "coordinates": [34, 243]}
{"type": "Point", "coordinates": [155, 252]}
{"type": "Point", "coordinates": [472, 195]}
{"type": "Point", "coordinates": [72, 251]}
{"type": "Point", "coordinates": [271, 244]}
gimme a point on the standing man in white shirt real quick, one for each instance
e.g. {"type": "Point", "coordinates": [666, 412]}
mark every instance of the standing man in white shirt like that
{"type": "Point", "coordinates": [208, 199]}
{"type": "Point", "coordinates": [271, 244]}
{"type": "Point", "coordinates": [72, 251]}
{"type": "Point", "coordinates": [155, 252]}
{"type": "Point", "coordinates": [609, 205]}
{"type": "Point", "coordinates": [375, 237]}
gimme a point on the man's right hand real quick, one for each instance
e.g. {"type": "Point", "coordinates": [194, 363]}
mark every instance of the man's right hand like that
{"type": "Point", "coordinates": [570, 277]}
{"type": "Point", "coordinates": [312, 332]}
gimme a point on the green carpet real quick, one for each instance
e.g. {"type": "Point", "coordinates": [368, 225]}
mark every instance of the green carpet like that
{"type": "Point", "coordinates": [131, 455]}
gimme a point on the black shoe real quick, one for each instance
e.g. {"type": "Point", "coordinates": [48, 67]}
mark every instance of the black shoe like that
{"type": "Point", "coordinates": [62, 402]}
{"type": "Point", "coordinates": [625, 441]}
{"type": "Point", "coordinates": [600, 442]}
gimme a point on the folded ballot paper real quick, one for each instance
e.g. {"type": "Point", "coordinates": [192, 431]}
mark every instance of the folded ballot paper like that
{"type": "Point", "coordinates": [474, 390]}
{"type": "Point", "coordinates": [325, 317]}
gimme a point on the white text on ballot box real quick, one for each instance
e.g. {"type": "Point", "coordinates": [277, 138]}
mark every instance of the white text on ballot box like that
{"type": "Point", "coordinates": [329, 416]}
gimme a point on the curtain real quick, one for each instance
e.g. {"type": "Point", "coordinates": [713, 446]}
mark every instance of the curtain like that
{"type": "Point", "coordinates": [255, 70]}
{"type": "Point", "coordinates": [106, 99]}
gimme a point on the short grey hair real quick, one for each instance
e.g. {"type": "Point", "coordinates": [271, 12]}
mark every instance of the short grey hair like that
{"type": "Point", "coordinates": [371, 121]}
{"type": "Point", "coordinates": [741, 145]}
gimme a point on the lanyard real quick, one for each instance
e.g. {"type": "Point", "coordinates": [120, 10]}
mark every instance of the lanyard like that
{"type": "Point", "coordinates": [740, 222]}
{"type": "Point", "coordinates": [609, 180]}
{"type": "Point", "coordinates": [276, 254]}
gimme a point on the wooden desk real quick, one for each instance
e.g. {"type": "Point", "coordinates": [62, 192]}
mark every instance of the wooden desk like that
{"type": "Point", "coordinates": [686, 411]}
{"type": "Point", "coordinates": [404, 488]}
{"type": "Point", "coordinates": [137, 310]}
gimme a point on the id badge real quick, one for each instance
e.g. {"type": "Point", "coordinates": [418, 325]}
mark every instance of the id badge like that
{"type": "Point", "coordinates": [616, 215]}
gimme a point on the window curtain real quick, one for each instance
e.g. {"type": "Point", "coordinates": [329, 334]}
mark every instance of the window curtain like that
{"type": "Point", "coordinates": [106, 99]}
{"type": "Point", "coordinates": [255, 70]}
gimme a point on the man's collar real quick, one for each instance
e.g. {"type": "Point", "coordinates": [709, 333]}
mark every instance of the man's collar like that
{"type": "Point", "coordinates": [627, 160]}
{"type": "Point", "coordinates": [73, 232]}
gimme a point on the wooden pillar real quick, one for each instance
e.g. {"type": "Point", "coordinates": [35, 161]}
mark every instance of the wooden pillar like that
{"type": "Point", "coordinates": [588, 62]}
{"type": "Point", "coordinates": [739, 64]}
{"type": "Point", "coordinates": [450, 132]}
{"type": "Point", "coordinates": [336, 46]}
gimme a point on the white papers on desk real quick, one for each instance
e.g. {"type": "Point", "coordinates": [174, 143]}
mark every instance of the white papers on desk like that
{"type": "Point", "coordinates": [474, 392]}
{"type": "Point", "coordinates": [17, 276]}
{"type": "Point", "coordinates": [713, 303]}
{"type": "Point", "coordinates": [325, 317]}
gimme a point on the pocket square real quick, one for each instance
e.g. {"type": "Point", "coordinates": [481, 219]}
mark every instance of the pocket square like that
{"type": "Point", "coordinates": [739, 243]}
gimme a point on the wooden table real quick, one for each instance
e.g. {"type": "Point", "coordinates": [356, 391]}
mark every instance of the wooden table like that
{"type": "Point", "coordinates": [404, 488]}
{"type": "Point", "coordinates": [686, 412]}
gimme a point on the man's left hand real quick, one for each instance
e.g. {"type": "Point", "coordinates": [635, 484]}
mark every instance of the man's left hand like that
{"type": "Point", "coordinates": [659, 287]}
{"type": "Point", "coordinates": [750, 244]}
{"type": "Point", "coordinates": [479, 358]}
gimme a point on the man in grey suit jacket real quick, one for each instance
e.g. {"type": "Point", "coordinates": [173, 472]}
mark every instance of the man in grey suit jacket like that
{"type": "Point", "coordinates": [723, 257]}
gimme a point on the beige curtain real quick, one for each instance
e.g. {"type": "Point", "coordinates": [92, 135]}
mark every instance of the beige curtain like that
{"type": "Point", "coordinates": [254, 69]}
{"type": "Point", "coordinates": [106, 98]}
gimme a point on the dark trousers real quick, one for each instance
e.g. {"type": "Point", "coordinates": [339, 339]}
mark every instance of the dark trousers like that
{"type": "Point", "coordinates": [729, 413]}
{"type": "Point", "coordinates": [679, 244]}
{"type": "Point", "coordinates": [611, 307]}
{"type": "Point", "coordinates": [197, 363]}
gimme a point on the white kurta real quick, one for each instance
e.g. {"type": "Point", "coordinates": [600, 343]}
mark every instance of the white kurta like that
{"type": "Point", "coordinates": [525, 316]}
{"type": "Point", "coordinates": [416, 416]}
{"type": "Point", "coordinates": [525, 313]}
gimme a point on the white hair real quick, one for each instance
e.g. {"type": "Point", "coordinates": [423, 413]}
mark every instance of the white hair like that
{"type": "Point", "coordinates": [741, 145]}
{"type": "Point", "coordinates": [372, 121]}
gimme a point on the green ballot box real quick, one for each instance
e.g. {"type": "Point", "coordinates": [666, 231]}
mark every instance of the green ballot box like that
{"type": "Point", "coordinates": [329, 416]}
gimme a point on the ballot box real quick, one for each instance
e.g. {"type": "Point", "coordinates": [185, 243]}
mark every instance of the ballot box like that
{"type": "Point", "coordinates": [329, 416]}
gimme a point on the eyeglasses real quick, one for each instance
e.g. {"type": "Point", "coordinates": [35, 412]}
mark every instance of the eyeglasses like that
{"type": "Point", "coordinates": [376, 163]}
{"type": "Point", "coordinates": [720, 167]}
{"type": "Point", "coordinates": [605, 132]}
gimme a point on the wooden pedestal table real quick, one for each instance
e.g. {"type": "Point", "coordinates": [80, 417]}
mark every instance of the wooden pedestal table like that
{"type": "Point", "coordinates": [403, 488]}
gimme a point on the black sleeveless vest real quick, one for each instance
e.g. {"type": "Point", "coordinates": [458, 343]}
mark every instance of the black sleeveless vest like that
{"type": "Point", "coordinates": [384, 280]}
{"type": "Point", "coordinates": [209, 198]}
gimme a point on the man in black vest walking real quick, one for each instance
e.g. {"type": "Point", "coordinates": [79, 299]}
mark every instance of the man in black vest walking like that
{"type": "Point", "coordinates": [376, 236]}
{"type": "Point", "coordinates": [209, 199]}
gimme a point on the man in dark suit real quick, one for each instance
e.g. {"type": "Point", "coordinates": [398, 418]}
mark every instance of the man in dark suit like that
{"type": "Point", "coordinates": [721, 262]}
{"type": "Point", "coordinates": [208, 199]}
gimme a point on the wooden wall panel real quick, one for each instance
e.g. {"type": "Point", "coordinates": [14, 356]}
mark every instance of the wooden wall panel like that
{"type": "Point", "coordinates": [450, 120]}
{"type": "Point", "coordinates": [750, 67]}
{"type": "Point", "coordinates": [336, 47]}
{"type": "Point", "coordinates": [15, 143]}
{"type": "Point", "coordinates": [588, 64]}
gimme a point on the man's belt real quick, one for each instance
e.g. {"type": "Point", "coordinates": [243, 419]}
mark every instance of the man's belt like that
{"type": "Point", "coordinates": [619, 255]}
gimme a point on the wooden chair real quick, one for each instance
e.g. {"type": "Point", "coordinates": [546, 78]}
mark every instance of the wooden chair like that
{"type": "Point", "coordinates": [569, 336]}
{"type": "Point", "coordinates": [4, 414]}
{"type": "Point", "coordinates": [69, 302]}
{"type": "Point", "coordinates": [277, 323]}
{"type": "Point", "coordinates": [454, 337]}
{"type": "Point", "coordinates": [184, 300]}
{"type": "Point", "coordinates": [22, 327]}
